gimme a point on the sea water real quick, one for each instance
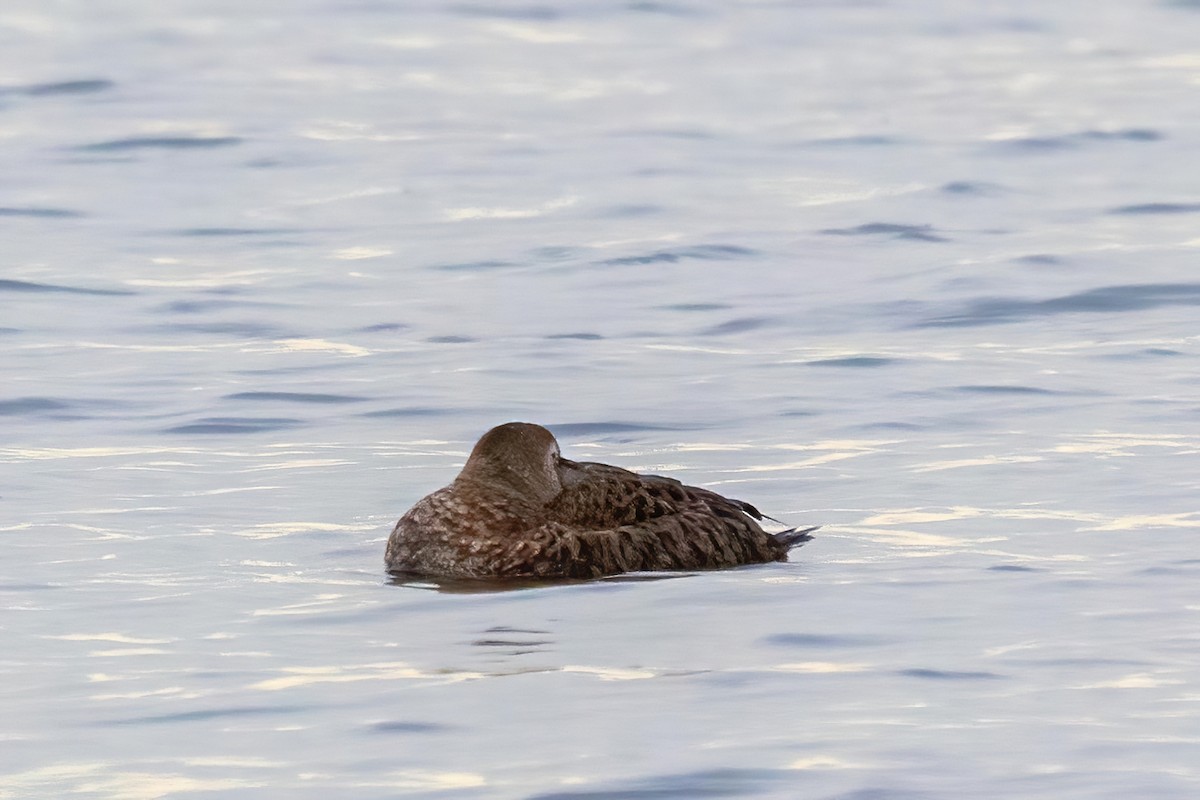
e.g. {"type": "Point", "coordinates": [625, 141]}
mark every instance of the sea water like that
{"type": "Point", "coordinates": [923, 274]}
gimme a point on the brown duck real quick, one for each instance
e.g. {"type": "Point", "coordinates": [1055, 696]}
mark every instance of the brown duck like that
{"type": "Point", "coordinates": [519, 509]}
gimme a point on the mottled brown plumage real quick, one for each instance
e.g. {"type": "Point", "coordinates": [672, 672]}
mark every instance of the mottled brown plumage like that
{"type": "Point", "coordinates": [519, 509]}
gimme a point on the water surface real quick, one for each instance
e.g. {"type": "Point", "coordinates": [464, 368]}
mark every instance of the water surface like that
{"type": "Point", "coordinates": [923, 276]}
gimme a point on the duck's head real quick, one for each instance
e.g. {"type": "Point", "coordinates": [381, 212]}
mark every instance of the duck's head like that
{"type": "Point", "coordinates": [519, 457]}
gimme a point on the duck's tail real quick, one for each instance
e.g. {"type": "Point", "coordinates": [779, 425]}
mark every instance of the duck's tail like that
{"type": "Point", "coordinates": [794, 537]}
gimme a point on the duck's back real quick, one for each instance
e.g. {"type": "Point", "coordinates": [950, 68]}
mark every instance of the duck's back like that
{"type": "Point", "coordinates": [612, 520]}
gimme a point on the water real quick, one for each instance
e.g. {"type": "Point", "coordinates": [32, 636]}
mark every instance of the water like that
{"type": "Point", "coordinates": [923, 275]}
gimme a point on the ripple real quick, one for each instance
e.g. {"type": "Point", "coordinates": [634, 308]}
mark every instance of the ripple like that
{"type": "Point", "coordinates": [1040, 259]}
{"type": "Point", "coordinates": [28, 587]}
{"type": "Point", "coordinates": [977, 188]}
{"type": "Point", "coordinates": [686, 134]}
{"type": "Point", "coordinates": [30, 405]}
{"type": "Point", "coordinates": [864, 140]}
{"type": "Point", "coordinates": [451, 339]}
{"type": "Point", "coordinates": [686, 786]}
{"type": "Point", "coordinates": [40, 213]}
{"type": "Point", "coordinates": [1033, 145]}
{"type": "Point", "coordinates": [296, 397]}
{"type": "Point", "coordinates": [853, 361]}
{"type": "Point", "coordinates": [893, 426]}
{"type": "Point", "coordinates": [84, 86]}
{"type": "Point", "coordinates": [630, 211]}
{"type": "Point", "coordinates": [209, 713]}
{"type": "Point", "coordinates": [27, 286]}
{"type": "Point", "coordinates": [523, 644]}
{"type": "Point", "coordinates": [711, 252]}
{"type": "Point", "coordinates": [820, 640]}
{"type": "Point", "coordinates": [229, 232]}
{"type": "Point", "coordinates": [475, 266]}
{"type": "Point", "coordinates": [602, 428]}
{"type": "Point", "coordinates": [737, 326]}
{"type": "Point", "coordinates": [244, 330]}
{"type": "Point", "coordinates": [997, 389]}
{"type": "Point", "coordinates": [947, 675]}
{"type": "Point", "coordinates": [409, 727]}
{"type": "Point", "coordinates": [917, 233]}
{"type": "Point", "coordinates": [236, 425]}
{"type": "Point", "coordinates": [385, 327]}
{"type": "Point", "coordinates": [201, 306]}
{"type": "Point", "coordinates": [1126, 135]}
{"type": "Point", "coordinates": [538, 13]}
{"type": "Point", "coordinates": [159, 143]}
{"type": "Point", "coordinates": [409, 411]}
{"type": "Point", "coordinates": [667, 9]}
{"type": "Point", "coordinates": [1158, 208]}
{"type": "Point", "coordinates": [696, 307]}
{"type": "Point", "coordinates": [1131, 297]}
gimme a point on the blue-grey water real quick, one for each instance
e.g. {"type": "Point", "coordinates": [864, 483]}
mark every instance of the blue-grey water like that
{"type": "Point", "coordinates": [923, 273]}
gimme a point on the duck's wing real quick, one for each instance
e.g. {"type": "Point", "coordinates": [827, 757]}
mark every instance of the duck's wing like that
{"type": "Point", "coordinates": [600, 497]}
{"type": "Point", "coordinates": [603, 496]}
{"type": "Point", "coordinates": [688, 540]}
{"type": "Point", "coordinates": [608, 520]}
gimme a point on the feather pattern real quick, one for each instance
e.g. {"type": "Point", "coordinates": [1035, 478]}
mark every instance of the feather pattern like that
{"type": "Point", "coordinates": [518, 509]}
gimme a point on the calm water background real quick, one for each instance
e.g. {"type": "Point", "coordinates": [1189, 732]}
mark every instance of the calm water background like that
{"type": "Point", "coordinates": [923, 273]}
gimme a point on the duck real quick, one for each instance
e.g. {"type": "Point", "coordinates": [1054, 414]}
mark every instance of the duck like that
{"type": "Point", "coordinates": [518, 509]}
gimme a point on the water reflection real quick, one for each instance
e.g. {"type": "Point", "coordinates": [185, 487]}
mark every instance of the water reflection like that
{"type": "Point", "coordinates": [500, 585]}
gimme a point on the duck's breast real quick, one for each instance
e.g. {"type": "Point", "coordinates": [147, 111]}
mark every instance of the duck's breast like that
{"type": "Point", "coordinates": [458, 531]}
